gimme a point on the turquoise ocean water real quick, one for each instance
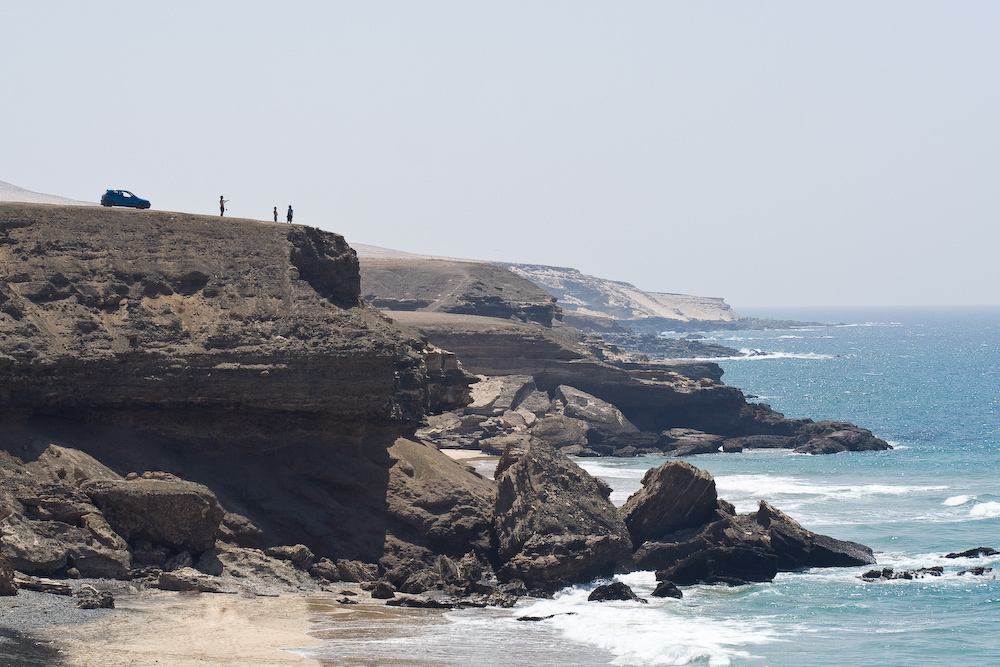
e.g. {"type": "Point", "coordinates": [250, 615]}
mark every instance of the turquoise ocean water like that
{"type": "Point", "coordinates": [927, 381]}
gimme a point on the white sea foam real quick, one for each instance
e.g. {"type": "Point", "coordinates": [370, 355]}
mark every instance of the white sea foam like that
{"type": "Point", "coordinates": [955, 501]}
{"type": "Point", "coordinates": [663, 632]}
{"type": "Point", "coordinates": [989, 510]}
{"type": "Point", "coordinates": [761, 354]}
{"type": "Point", "coordinates": [771, 485]}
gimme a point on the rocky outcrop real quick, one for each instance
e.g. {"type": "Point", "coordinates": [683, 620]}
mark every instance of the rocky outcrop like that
{"type": "Point", "coordinates": [275, 410]}
{"type": "Point", "coordinates": [553, 521]}
{"type": "Point", "coordinates": [259, 337]}
{"type": "Point", "coordinates": [832, 437]}
{"type": "Point", "coordinates": [616, 590]}
{"type": "Point", "coordinates": [454, 286]}
{"type": "Point", "coordinates": [687, 535]}
{"type": "Point", "coordinates": [974, 553]}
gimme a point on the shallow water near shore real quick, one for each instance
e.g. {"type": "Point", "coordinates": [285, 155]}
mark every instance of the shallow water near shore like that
{"type": "Point", "coordinates": [926, 380]}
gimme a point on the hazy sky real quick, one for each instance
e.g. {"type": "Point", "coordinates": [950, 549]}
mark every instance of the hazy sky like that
{"type": "Point", "coordinates": [772, 153]}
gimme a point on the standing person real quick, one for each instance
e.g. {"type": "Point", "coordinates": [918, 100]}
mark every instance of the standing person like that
{"type": "Point", "coordinates": [289, 214]}
{"type": "Point", "coordinates": [275, 213]}
{"type": "Point", "coordinates": [222, 206]}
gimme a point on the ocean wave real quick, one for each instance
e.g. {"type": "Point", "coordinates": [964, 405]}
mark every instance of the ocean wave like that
{"type": "Point", "coordinates": [770, 485]}
{"type": "Point", "coordinates": [955, 501]}
{"type": "Point", "coordinates": [869, 324]}
{"type": "Point", "coordinates": [663, 632]}
{"type": "Point", "coordinates": [989, 510]}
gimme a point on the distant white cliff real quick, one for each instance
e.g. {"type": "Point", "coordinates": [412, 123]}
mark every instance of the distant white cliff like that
{"type": "Point", "coordinates": [585, 295]}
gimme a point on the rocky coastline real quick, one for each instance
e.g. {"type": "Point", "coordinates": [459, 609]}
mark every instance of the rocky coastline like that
{"type": "Point", "coordinates": [206, 405]}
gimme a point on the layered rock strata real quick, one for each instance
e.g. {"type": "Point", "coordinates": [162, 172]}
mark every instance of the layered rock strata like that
{"type": "Point", "coordinates": [201, 404]}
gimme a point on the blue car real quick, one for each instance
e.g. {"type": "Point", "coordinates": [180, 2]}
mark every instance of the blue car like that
{"type": "Point", "coordinates": [123, 198]}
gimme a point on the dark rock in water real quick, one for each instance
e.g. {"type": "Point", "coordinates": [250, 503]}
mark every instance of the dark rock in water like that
{"type": "Point", "coordinates": [887, 573]}
{"type": "Point", "coordinates": [423, 602]}
{"type": "Point", "coordinates": [506, 594]}
{"type": "Point", "coordinates": [749, 547]}
{"type": "Point", "coordinates": [975, 553]}
{"type": "Point", "coordinates": [797, 547]}
{"type": "Point", "coordinates": [731, 582]}
{"type": "Point", "coordinates": [673, 497]}
{"type": "Point", "coordinates": [830, 552]}
{"type": "Point", "coordinates": [688, 441]}
{"type": "Point", "coordinates": [976, 571]}
{"type": "Point", "coordinates": [667, 589]}
{"type": "Point", "coordinates": [757, 442]}
{"type": "Point", "coordinates": [830, 437]}
{"type": "Point", "coordinates": [553, 520]}
{"type": "Point", "coordinates": [742, 562]}
{"type": "Point", "coordinates": [173, 512]}
{"type": "Point", "coordinates": [613, 591]}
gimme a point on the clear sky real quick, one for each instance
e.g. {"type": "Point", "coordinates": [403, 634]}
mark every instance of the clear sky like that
{"type": "Point", "coordinates": [772, 153]}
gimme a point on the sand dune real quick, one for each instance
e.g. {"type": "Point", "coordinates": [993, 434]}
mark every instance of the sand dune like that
{"type": "Point", "coordinates": [10, 192]}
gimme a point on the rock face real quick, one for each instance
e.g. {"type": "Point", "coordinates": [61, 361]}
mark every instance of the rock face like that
{"type": "Point", "coordinates": [673, 497]}
{"type": "Point", "coordinates": [107, 315]}
{"type": "Point", "coordinates": [249, 366]}
{"type": "Point", "coordinates": [553, 521]}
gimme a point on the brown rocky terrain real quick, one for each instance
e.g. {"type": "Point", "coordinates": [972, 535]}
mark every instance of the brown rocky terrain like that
{"type": "Point", "coordinates": [196, 403]}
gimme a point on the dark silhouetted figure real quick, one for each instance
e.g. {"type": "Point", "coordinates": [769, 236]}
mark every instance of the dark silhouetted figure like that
{"type": "Point", "coordinates": [275, 213]}
{"type": "Point", "coordinates": [222, 205]}
{"type": "Point", "coordinates": [289, 214]}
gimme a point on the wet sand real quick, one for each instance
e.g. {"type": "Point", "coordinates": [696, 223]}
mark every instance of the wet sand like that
{"type": "Point", "coordinates": [170, 629]}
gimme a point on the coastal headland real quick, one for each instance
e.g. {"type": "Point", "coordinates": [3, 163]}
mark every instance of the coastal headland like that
{"type": "Point", "coordinates": [189, 403]}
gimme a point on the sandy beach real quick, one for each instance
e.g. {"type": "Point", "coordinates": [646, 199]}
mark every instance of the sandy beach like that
{"type": "Point", "coordinates": [162, 628]}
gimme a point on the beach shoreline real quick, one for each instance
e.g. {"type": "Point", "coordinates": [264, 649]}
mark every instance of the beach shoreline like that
{"type": "Point", "coordinates": [165, 628]}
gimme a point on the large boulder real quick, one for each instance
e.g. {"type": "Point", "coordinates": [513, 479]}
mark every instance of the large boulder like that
{"type": "Point", "coordinates": [673, 497]}
{"type": "Point", "coordinates": [603, 419]}
{"type": "Point", "coordinates": [553, 521]}
{"type": "Point", "coordinates": [164, 510]}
